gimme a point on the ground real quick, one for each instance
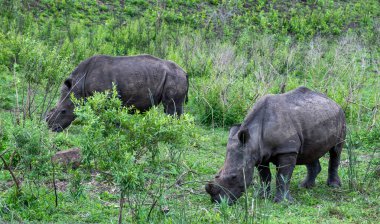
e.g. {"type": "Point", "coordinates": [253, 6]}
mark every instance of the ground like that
{"type": "Point", "coordinates": [186, 199]}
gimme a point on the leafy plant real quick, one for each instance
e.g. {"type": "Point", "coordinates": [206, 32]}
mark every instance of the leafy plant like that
{"type": "Point", "coordinates": [123, 142]}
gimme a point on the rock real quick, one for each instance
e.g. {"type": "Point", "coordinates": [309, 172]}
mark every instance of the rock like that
{"type": "Point", "coordinates": [68, 157]}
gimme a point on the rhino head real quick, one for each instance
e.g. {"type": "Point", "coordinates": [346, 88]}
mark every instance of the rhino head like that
{"type": "Point", "coordinates": [236, 174]}
{"type": "Point", "coordinates": [62, 115]}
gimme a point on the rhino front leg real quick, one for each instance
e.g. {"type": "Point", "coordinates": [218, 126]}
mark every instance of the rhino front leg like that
{"type": "Point", "coordinates": [285, 164]}
{"type": "Point", "coordinates": [266, 178]}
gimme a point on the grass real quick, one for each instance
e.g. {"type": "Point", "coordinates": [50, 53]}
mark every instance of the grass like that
{"type": "Point", "coordinates": [187, 202]}
{"type": "Point", "coordinates": [234, 53]}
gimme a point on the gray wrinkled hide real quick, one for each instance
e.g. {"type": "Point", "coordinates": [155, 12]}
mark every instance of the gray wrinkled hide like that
{"type": "Point", "coordinates": [300, 121]}
{"type": "Point", "coordinates": [297, 127]}
{"type": "Point", "coordinates": [142, 81]}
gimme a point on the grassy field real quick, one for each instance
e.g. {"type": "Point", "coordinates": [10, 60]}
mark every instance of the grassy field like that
{"type": "Point", "coordinates": [234, 52]}
{"type": "Point", "coordinates": [185, 201]}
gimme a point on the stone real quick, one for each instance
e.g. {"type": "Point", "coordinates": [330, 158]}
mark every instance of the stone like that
{"type": "Point", "coordinates": [68, 157]}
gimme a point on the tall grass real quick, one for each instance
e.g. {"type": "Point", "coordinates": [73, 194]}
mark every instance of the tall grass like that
{"type": "Point", "coordinates": [226, 78]}
{"type": "Point", "coordinates": [230, 65]}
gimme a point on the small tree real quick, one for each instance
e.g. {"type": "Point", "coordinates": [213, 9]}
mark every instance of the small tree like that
{"type": "Point", "coordinates": [124, 142]}
{"type": "Point", "coordinates": [25, 151]}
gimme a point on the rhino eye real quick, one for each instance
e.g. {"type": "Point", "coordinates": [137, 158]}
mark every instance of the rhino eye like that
{"type": "Point", "coordinates": [63, 112]}
{"type": "Point", "coordinates": [232, 176]}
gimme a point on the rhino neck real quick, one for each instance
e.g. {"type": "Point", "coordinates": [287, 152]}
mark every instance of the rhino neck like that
{"type": "Point", "coordinates": [250, 160]}
{"type": "Point", "coordinates": [255, 123]}
{"type": "Point", "coordinates": [254, 147]}
{"type": "Point", "coordinates": [83, 85]}
{"type": "Point", "coordinates": [79, 88]}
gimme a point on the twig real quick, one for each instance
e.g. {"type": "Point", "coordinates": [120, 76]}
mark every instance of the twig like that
{"type": "Point", "coordinates": [156, 198]}
{"type": "Point", "coordinates": [11, 158]}
{"type": "Point", "coordinates": [15, 82]}
{"type": "Point", "coordinates": [3, 153]}
{"type": "Point", "coordinates": [121, 204]}
{"type": "Point", "coordinates": [373, 118]}
{"type": "Point", "coordinates": [153, 204]}
{"type": "Point", "coordinates": [369, 164]}
{"type": "Point", "coordinates": [55, 186]}
{"type": "Point", "coordinates": [12, 174]}
{"type": "Point", "coordinates": [350, 101]}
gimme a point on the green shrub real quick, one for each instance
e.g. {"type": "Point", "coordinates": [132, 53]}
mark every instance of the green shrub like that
{"type": "Point", "coordinates": [126, 145]}
{"type": "Point", "coordinates": [32, 143]}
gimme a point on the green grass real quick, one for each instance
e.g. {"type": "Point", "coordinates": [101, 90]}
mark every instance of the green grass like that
{"type": "Point", "coordinates": [234, 53]}
{"type": "Point", "coordinates": [188, 202]}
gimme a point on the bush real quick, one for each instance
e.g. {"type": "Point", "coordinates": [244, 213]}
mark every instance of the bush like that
{"type": "Point", "coordinates": [126, 145]}
{"type": "Point", "coordinates": [26, 149]}
{"type": "Point", "coordinates": [32, 143]}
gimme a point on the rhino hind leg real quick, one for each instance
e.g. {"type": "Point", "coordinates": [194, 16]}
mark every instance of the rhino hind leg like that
{"type": "Point", "coordinates": [313, 169]}
{"type": "Point", "coordinates": [265, 177]}
{"type": "Point", "coordinates": [285, 164]}
{"type": "Point", "coordinates": [173, 107]}
{"type": "Point", "coordinates": [333, 179]}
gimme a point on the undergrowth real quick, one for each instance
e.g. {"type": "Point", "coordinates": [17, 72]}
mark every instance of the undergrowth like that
{"type": "Point", "coordinates": [234, 52]}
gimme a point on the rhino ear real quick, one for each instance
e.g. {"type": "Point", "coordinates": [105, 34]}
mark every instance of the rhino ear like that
{"type": "Point", "coordinates": [233, 130]}
{"type": "Point", "coordinates": [244, 136]}
{"type": "Point", "coordinates": [68, 83]}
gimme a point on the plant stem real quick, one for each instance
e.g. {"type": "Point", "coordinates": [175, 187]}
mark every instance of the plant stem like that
{"type": "Point", "coordinates": [12, 174]}
{"type": "Point", "coordinates": [121, 204]}
{"type": "Point", "coordinates": [55, 187]}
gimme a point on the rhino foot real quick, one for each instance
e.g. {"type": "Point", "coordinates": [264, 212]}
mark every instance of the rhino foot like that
{"type": "Point", "coordinates": [307, 184]}
{"type": "Point", "coordinates": [281, 197]}
{"type": "Point", "coordinates": [334, 182]}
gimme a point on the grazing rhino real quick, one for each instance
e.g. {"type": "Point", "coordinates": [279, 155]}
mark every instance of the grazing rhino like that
{"type": "Point", "coordinates": [141, 81]}
{"type": "Point", "coordinates": [297, 127]}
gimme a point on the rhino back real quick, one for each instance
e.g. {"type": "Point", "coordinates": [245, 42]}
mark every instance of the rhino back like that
{"type": "Point", "coordinates": [301, 121]}
{"type": "Point", "coordinates": [140, 80]}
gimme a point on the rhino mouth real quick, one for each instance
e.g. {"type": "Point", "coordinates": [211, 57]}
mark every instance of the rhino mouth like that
{"type": "Point", "coordinates": [219, 194]}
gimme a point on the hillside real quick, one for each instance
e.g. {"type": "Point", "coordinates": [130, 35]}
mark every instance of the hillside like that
{"type": "Point", "coordinates": [234, 53]}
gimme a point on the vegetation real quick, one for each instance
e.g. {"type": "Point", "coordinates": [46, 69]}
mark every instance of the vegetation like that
{"type": "Point", "coordinates": [234, 52]}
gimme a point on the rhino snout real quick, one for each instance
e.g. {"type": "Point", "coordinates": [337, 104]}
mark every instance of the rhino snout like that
{"type": "Point", "coordinates": [224, 188]}
{"type": "Point", "coordinates": [213, 191]}
{"type": "Point", "coordinates": [208, 188]}
{"type": "Point", "coordinates": [217, 193]}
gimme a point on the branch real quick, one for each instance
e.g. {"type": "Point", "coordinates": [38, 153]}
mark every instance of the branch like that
{"type": "Point", "coordinates": [11, 172]}
{"type": "Point", "coordinates": [121, 204]}
{"type": "Point", "coordinates": [55, 186]}
{"type": "Point", "coordinates": [5, 151]}
{"type": "Point", "coordinates": [177, 182]}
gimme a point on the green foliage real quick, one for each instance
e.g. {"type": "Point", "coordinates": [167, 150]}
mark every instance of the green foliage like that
{"type": "Point", "coordinates": [124, 142]}
{"type": "Point", "coordinates": [367, 139]}
{"type": "Point", "coordinates": [219, 104]}
{"type": "Point", "coordinates": [3, 137]}
{"type": "Point", "coordinates": [76, 188]}
{"type": "Point", "coordinates": [28, 158]}
{"type": "Point", "coordinates": [111, 130]}
{"type": "Point", "coordinates": [234, 53]}
{"type": "Point", "coordinates": [32, 143]}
